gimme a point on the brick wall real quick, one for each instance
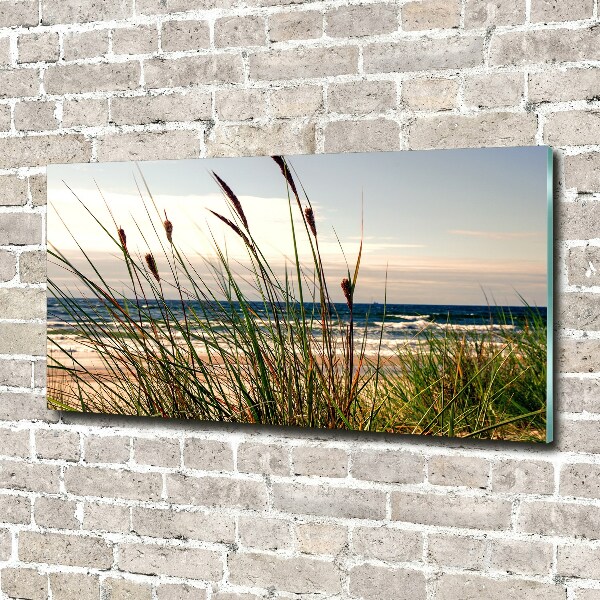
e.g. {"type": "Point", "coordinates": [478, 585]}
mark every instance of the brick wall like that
{"type": "Point", "coordinates": [95, 507]}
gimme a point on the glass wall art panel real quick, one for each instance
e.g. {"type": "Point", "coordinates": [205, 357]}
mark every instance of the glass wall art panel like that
{"type": "Point", "coordinates": [396, 292]}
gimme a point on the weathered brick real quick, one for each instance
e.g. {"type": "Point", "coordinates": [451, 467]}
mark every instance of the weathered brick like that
{"type": "Point", "coordinates": [102, 77]}
{"type": "Point", "coordinates": [235, 596]}
{"type": "Point", "coordinates": [106, 517]}
{"type": "Point", "coordinates": [388, 466]}
{"type": "Point", "coordinates": [329, 501]}
{"type": "Point", "coordinates": [185, 35]}
{"type": "Point", "coordinates": [123, 589]}
{"type": "Point", "coordinates": [580, 171]}
{"type": "Point", "coordinates": [13, 190]}
{"type": "Point", "coordinates": [74, 586]}
{"type": "Point", "coordinates": [373, 582]}
{"type": "Point", "coordinates": [39, 373]}
{"type": "Point", "coordinates": [141, 39]}
{"type": "Point", "coordinates": [578, 219]}
{"type": "Point", "coordinates": [459, 470]}
{"type": "Point", "coordinates": [180, 591]}
{"type": "Point", "coordinates": [572, 127]}
{"type": "Point", "coordinates": [38, 47]}
{"type": "Point", "coordinates": [57, 513]}
{"type": "Point", "coordinates": [578, 355]}
{"type": "Point", "coordinates": [423, 55]}
{"type": "Point", "coordinates": [553, 10]}
{"type": "Point", "coordinates": [15, 509]}
{"type": "Point", "coordinates": [321, 462]}
{"type": "Point", "coordinates": [544, 46]}
{"type": "Point", "coordinates": [581, 480]}
{"type": "Point", "coordinates": [264, 534]}
{"type": "Point", "coordinates": [565, 519]}
{"type": "Point", "coordinates": [14, 443]}
{"type": "Point", "coordinates": [578, 560]}
{"type": "Point", "coordinates": [240, 31]}
{"type": "Point", "coordinates": [22, 303]}
{"type": "Point", "coordinates": [386, 543]}
{"type": "Point", "coordinates": [302, 575]}
{"type": "Point", "coordinates": [522, 557]}
{"type": "Point", "coordinates": [578, 436]}
{"type": "Point", "coordinates": [5, 545]}
{"type": "Point", "coordinates": [109, 483]}
{"type": "Point", "coordinates": [299, 25]}
{"type": "Point", "coordinates": [494, 90]}
{"type": "Point", "coordinates": [299, 63]}
{"type": "Point", "coordinates": [474, 587]}
{"type": "Point", "coordinates": [19, 13]}
{"type": "Point", "coordinates": [106, 449]}
{"type": "Point", "coordinates": [578, 395]}
{"type": "Point", "coordinates": [193, 105]}
{"type": "Point", "coordinates": [176, 561]}
{"type": "Point", "coordinates": [38, 188]}
{"type": "Point", "coordinates": [578, 311]}
{"type": "Point", "coordinates": [157, 452]}
{"type": "Point", "coordinates": [241, 104]}
{"type": "Point", "coordinates": [267, 459]}
{"type": "Point", "coordinates": [454, 131]}
{"type": "Point", "coordinates": [55, 444]}
{"type": "Point", "coordinates": [169, 524]}
{"type": "Point", "coordinates": [217, 491]}
{"type": "Point", "coordinates": [17, 406]}
{"type": "Point", "coordinates": [564, 85]}
{"type": "Point", "coordinates": [296, 101]}
{"type": "Point", "coordinates": [208, 455]}
{"type": "Point", "coordinates": [430, 14]}
{"type": "Point", "coordinates": [282, 137]}
{"type": "Point", "coordinates": [362, 136]}
{"type": "Point", "coordinates": [35, 116]}
{"type": "Point", "coordinates": [149, 145]}
{"type": "Point", "coordinates": [321, 538]}
{"type": "Point", "coordinates": [486, 13]}
{"type": "Point", "coordinates": [83, 11]}
{"type": "Point", "coordinates": [5, 119]}
{"type": "Point", "coordinates": [18, 83]}
{"type": "Point", "coordinates": [463, 552]}
{"type": "Point", "coordinates": [361, 20]}
{"type": "Point", "coordinates": [23, 338]}
{"type": "Point", "coordinates": [193, 70]}
{"type": "Point", "coordinates": [8, 265]}
{"type": "Point", "coordinates": [523, 477]}
{"type": "Point", "coordinates": [20, 229]}
{"type": "Point", "coordinates": [156, 7]}
{"type": "Point", "coordinates": [85, 44]}
{"type": "Point", "coordinates": [68, 550]}
{"type": "Point", "coordinates": [24, 583]}
{"type": "Point", "coordinates": [85, 112]}
{"type": "Point", "coordinates": [588, 594]}
{"type": "Point", "coordinates": [15, 373]}
{"type": "Point", "coordinates": [361, 97]}
{"type": "Point", "coordinates": [35, 151]}
{"type": "Point", "coordinates": [451, 511]}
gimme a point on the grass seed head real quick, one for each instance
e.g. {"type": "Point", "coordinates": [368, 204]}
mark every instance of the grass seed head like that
{"type": "Point", "coordinates": [152, 266]}
{"type": "Point", "coordinates": [233, 199]}
{"type": "Point", "coordinates": [168, 228]}
{"type": "Point", "coordinates": [310, 219]}
{"type": "Point", "coordinates": [347, 289]}
{"type": "Point", "coordinates": [122, 237]}
{"type": "Point", "coordinates": [282, 164]}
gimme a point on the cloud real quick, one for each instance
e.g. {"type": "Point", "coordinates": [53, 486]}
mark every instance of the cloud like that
{"type": "Point", "coordinates": [497, 235]}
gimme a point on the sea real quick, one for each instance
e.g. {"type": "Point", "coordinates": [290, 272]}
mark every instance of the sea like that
{"type": "Point", "coordinates": [383, 327]}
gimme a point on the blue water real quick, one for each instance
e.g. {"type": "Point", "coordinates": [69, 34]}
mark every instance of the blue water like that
{"type": "Point", "coordinates": [400, 322]}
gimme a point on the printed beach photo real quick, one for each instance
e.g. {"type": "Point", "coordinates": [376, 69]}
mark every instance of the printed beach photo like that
{"type": "Point", "coordinates": [395, 292]}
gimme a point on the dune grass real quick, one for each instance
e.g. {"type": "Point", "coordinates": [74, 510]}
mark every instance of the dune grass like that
{"type": "Point", "coordinates": [286, 359]}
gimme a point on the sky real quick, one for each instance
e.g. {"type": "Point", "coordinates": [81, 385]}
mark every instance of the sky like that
{"type": "Point", "coordinates": [443, 227]}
